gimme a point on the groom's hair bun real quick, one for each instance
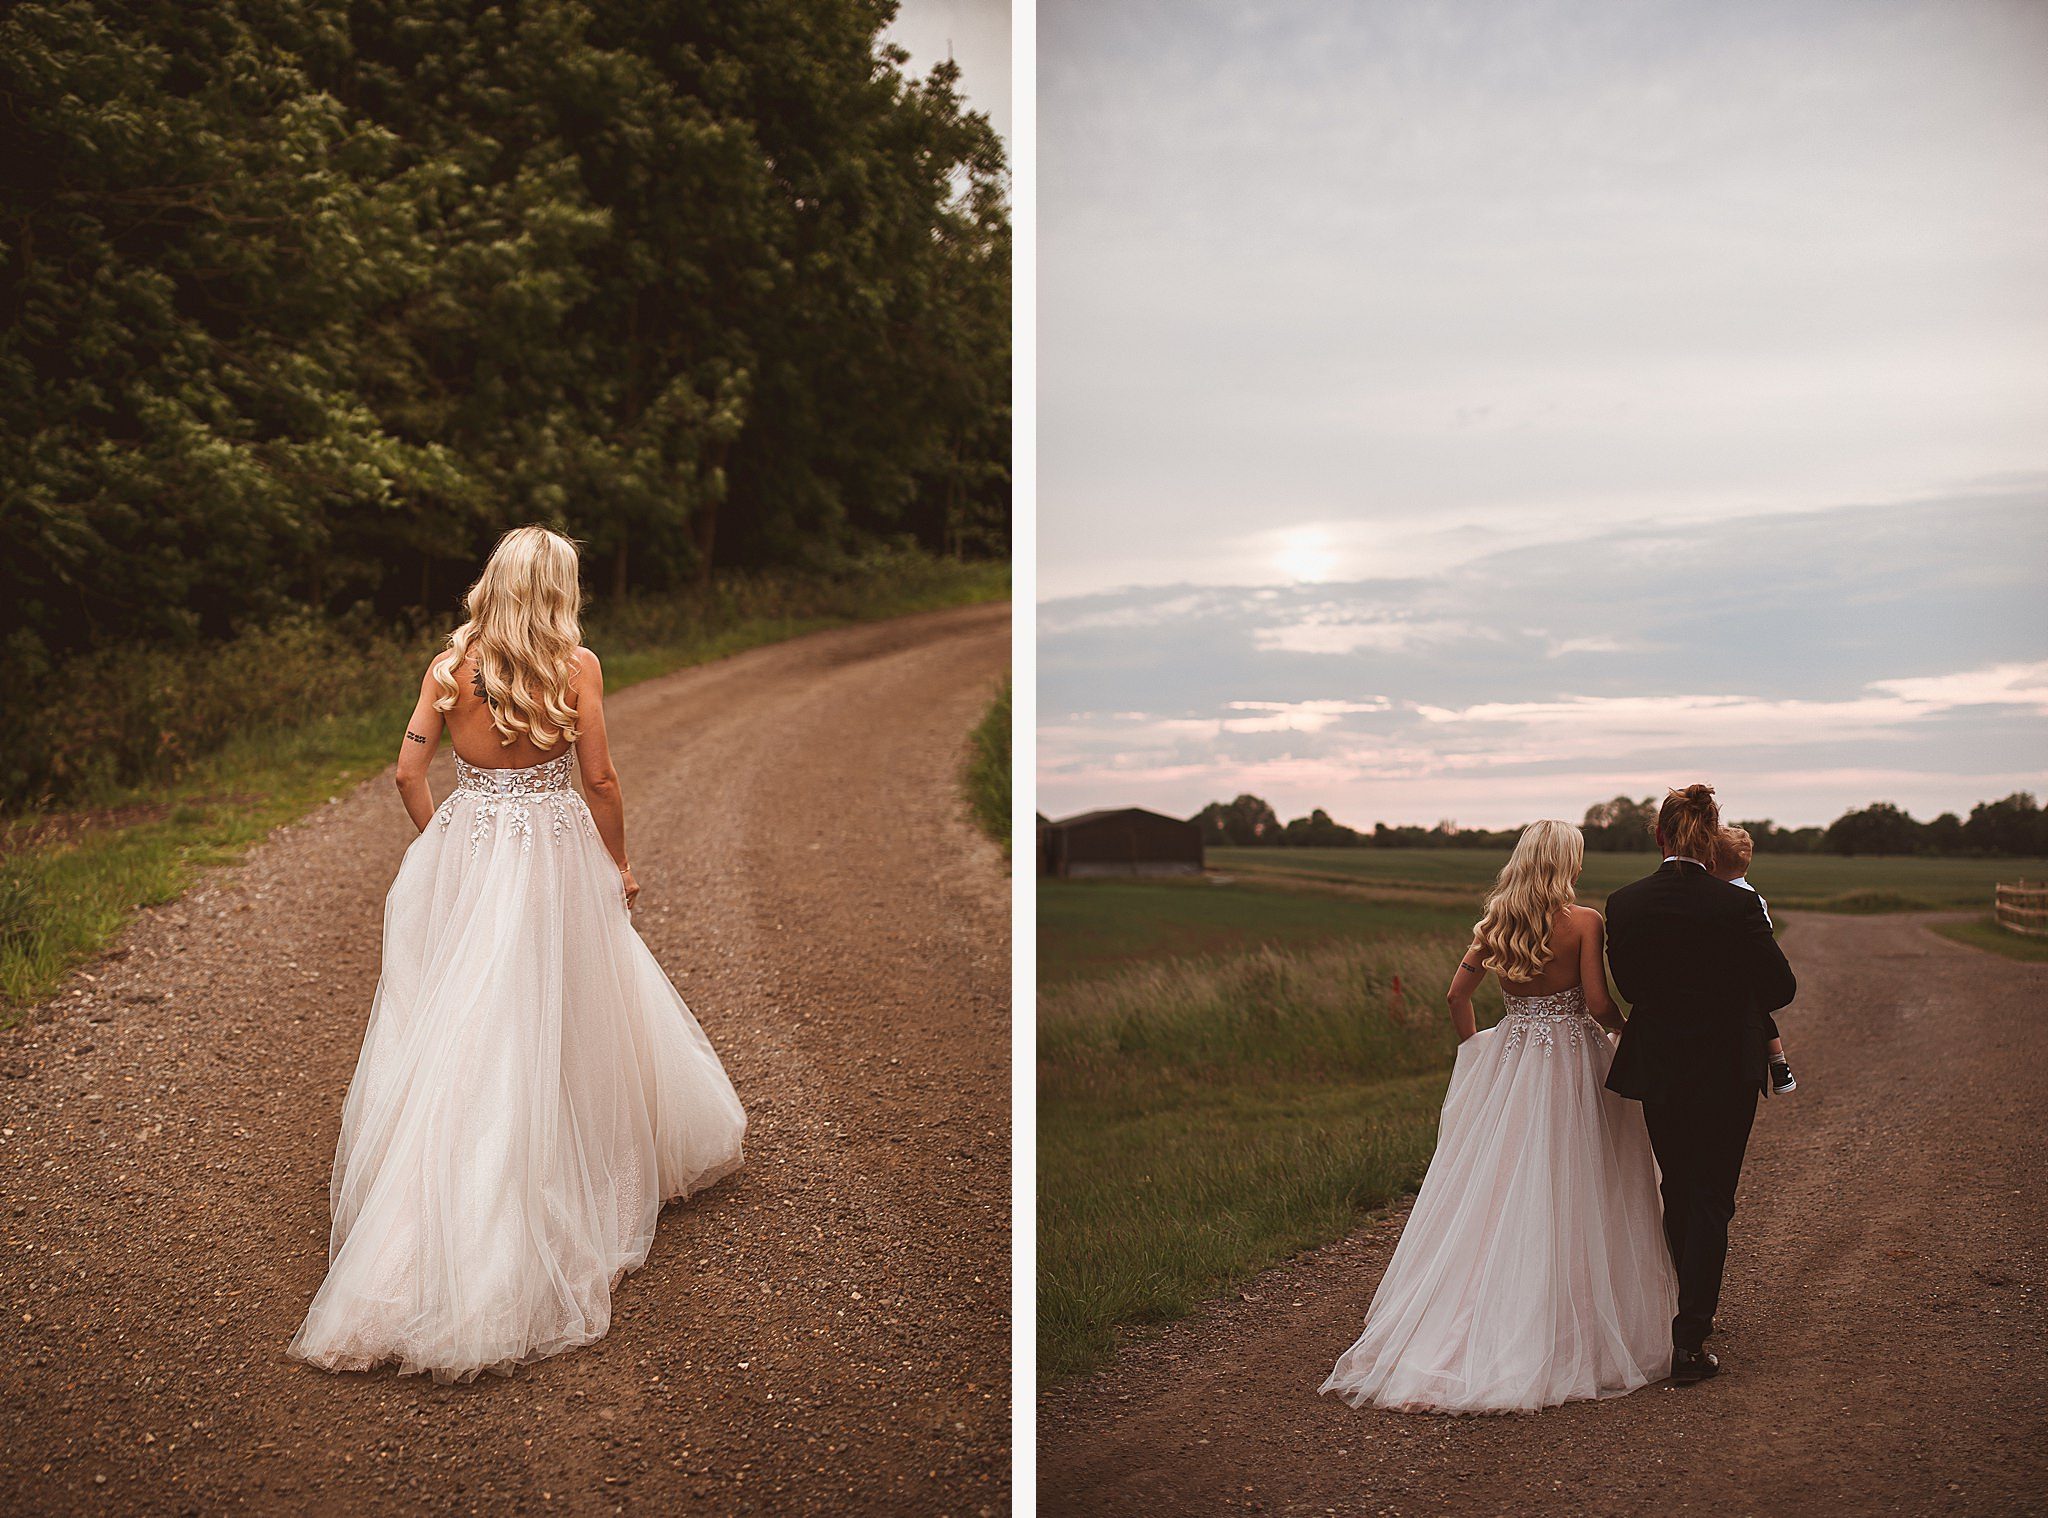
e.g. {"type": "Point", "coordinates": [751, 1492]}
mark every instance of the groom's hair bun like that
{"type": "Point", "coordinates": [1689, 821]}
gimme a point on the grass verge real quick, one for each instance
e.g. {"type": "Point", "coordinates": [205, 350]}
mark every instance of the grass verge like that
{"type": "Point", "coordinates": [1985, 933]}
{"type": "Point", "coordinates": [988, 770]}
{"type": "Point", "coordinates": [1202, 1120]}
{"type": "Point", "coordinates": [61, 901]}
{"type": "Point", "coordinates": [1091, 928]}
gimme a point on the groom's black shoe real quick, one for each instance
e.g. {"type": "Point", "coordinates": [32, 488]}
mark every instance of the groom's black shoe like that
{"type": "Point", "coordinates": [1690, 1365]}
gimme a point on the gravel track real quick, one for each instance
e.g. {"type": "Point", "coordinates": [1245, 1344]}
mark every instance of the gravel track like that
{"type": "Point", "coordinates": [826, 1332]}
{"type": "Point", "coordinates": [1882, 1326]}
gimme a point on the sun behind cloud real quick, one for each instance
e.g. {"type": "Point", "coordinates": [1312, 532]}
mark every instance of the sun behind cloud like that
{"type": "Point", "coordinates": [1307, 554]}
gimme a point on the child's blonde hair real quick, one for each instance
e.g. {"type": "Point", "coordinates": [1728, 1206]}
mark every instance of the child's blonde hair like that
{"type": "Point", "coordinates": [1733, 850]}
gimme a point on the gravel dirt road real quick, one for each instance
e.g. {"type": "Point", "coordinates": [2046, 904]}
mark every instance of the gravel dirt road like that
{"type": "Point", "coordinates": [1882, 1325]}
{"type": "Point", "coordinates": [826, 1332]}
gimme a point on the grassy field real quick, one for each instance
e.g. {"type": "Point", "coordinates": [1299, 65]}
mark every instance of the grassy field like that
{"type": "Point", "coordinates": [63, 898]}
{"type": "Point", "coordinates": [1985, 933]}
{"type": "Point", "coordinates": [1091, 928]}
{"type": "Point", "coordinates": [1202, 1119]}
{"type": "Point", "coordinates": [988, 770]}
{"type": "Point", "coordinates": [1815, 882]}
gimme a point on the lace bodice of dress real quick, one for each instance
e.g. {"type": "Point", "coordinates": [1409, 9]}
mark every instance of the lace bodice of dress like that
{"type": "Point", "coordinates": [1540, 1018]}
{"type": "Point", "coordinates": [533, 780]}
{"type": "Point", "coordinates": [1572, 999]}
{"type": "Point", "coordinates": [510, 798]}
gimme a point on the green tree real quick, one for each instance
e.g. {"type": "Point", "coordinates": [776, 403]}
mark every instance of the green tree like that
{"type": "Point", "coordinates": [2015, 826]}
{"type": "Point", "coordinates": [1318, 830]}
{"type": "Point", "coordinates": [1245, 821]}
{"type": "Point", "coordinates": [1944, 835]}
{"type": "Point", "coordinates": [306, 302]}
{"type": "Point", "coordinates": [1879, 828]}
{"type": "Point", "coordinates": [1621, 825]}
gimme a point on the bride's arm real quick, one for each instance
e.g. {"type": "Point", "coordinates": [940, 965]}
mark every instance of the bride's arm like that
{"type": "Point", "coordinates": [422, 737]}
{"type": "Point", "coordinates": [1593, 973]}
{"type": "Point", "coordinates": [1468, 980]}
{"type": "Point", "coordinates": [600, 780]}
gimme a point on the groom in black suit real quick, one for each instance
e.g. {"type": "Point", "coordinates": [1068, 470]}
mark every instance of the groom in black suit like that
{"type": "Point", "coordinates": [1695, 957]}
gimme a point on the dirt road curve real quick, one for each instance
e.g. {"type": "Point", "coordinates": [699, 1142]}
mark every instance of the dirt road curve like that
{"type": "Point", "coordinates": [827, 1332]}
{"type": "Point", "coordinates": [1882, 1326]}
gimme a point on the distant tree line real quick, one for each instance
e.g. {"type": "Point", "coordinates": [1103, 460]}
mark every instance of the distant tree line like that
{"type": "Point", "coordinates": [2016, 826]}
{"type": "Point", "coordinates": [1249, 820]}
{"type": "Point", "coordinates": [302, 304]}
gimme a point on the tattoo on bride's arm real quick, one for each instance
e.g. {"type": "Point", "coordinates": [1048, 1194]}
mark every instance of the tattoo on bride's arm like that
{"type": "Point", "coordinates": [415, 737]}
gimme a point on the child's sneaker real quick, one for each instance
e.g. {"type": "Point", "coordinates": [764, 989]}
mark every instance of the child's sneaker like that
{"type": "Point", "coordinates": [1782, 1083]}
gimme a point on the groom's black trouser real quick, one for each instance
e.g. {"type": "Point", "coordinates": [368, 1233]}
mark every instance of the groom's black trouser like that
{"type": "Point", "coordinates": [1699, 1143]}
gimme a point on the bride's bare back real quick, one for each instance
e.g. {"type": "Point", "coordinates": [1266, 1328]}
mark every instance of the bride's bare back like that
{"type": "Point", "coordinates": [1575, 955]}
{"type": "Point", "coordinates": [1578, 957]}
{"type": "Point", "coordinates": [477, 741]}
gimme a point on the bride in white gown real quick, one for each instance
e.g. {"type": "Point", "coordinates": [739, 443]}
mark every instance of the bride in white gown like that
{"type": "Point", "coordinates": [531, 1088]}
{"type": "Point", "coordinates": [1533, 1269]}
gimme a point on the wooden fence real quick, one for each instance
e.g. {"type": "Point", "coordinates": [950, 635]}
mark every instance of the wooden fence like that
{"type": "Point", "coordinates": [2023, 908]}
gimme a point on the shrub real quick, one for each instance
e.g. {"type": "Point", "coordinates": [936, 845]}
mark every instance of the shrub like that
{"type": "Point", "coordinates": [141, 715]}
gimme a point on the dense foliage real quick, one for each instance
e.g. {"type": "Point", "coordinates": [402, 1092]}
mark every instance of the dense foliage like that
{"type": "Point", "coordinates": [1247, 820]}
{"type": "Point", "coordinates": [305, 302]}
{"type": "Point", "coordinates": [2016, 827]}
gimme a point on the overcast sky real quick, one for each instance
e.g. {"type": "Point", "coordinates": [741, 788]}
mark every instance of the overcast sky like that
{"type": "Point", "coordinates": [1477, 411]}
{"type": "Point", "coordinates": [973, 33]}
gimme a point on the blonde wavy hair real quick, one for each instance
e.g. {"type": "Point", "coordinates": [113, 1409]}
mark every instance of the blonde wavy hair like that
{"type": "Point", "coordinates": [523, 631]}
{"type": "Point", "coordinates": [1513, 936]}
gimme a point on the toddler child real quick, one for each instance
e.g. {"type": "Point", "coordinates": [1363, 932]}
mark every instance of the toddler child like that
{"type": "Point", "coordinates": [1733, 851]}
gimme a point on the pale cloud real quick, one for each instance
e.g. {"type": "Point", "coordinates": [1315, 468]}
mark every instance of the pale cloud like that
{"type": "Point", "coordinates": [1296, 716]}
{"type": "Point", "coordinates": [1330, 630]}
{"type": "Point", "coordinates": [1587, 724]}
{"type": "Point", "coordinates": [1601, 644]}
{"type": "Point", "coordinates": [1150, 612]}
{"type": "Point", "coordinates": [2024, 685]}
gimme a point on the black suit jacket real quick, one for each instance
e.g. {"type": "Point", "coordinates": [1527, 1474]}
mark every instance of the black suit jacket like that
{"type": "Point", "coordinates": [1696, 959]}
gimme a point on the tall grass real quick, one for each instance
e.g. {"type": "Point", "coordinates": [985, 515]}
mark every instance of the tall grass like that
{"type": "Point", "coordinates": [988, 769]}
{"type": "Point", "coordinates": [1091, 928]}
{"type": "Point", "coordinates": [1201, 1120]}
{"type": "Point", "coordinates": [298, 713]}
{"type": "Point", "coordinates": [1331, 1010]}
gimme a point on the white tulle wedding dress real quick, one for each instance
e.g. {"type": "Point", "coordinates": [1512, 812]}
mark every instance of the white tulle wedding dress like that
{"type": "Point", "coordinates": [531, 1089]}
{"type": "Point", "coordinates": [1533, 1269]}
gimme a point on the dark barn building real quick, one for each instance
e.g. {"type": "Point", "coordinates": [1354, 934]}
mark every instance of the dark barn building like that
{"type": "Point", "coordinates": [1120, 841]}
